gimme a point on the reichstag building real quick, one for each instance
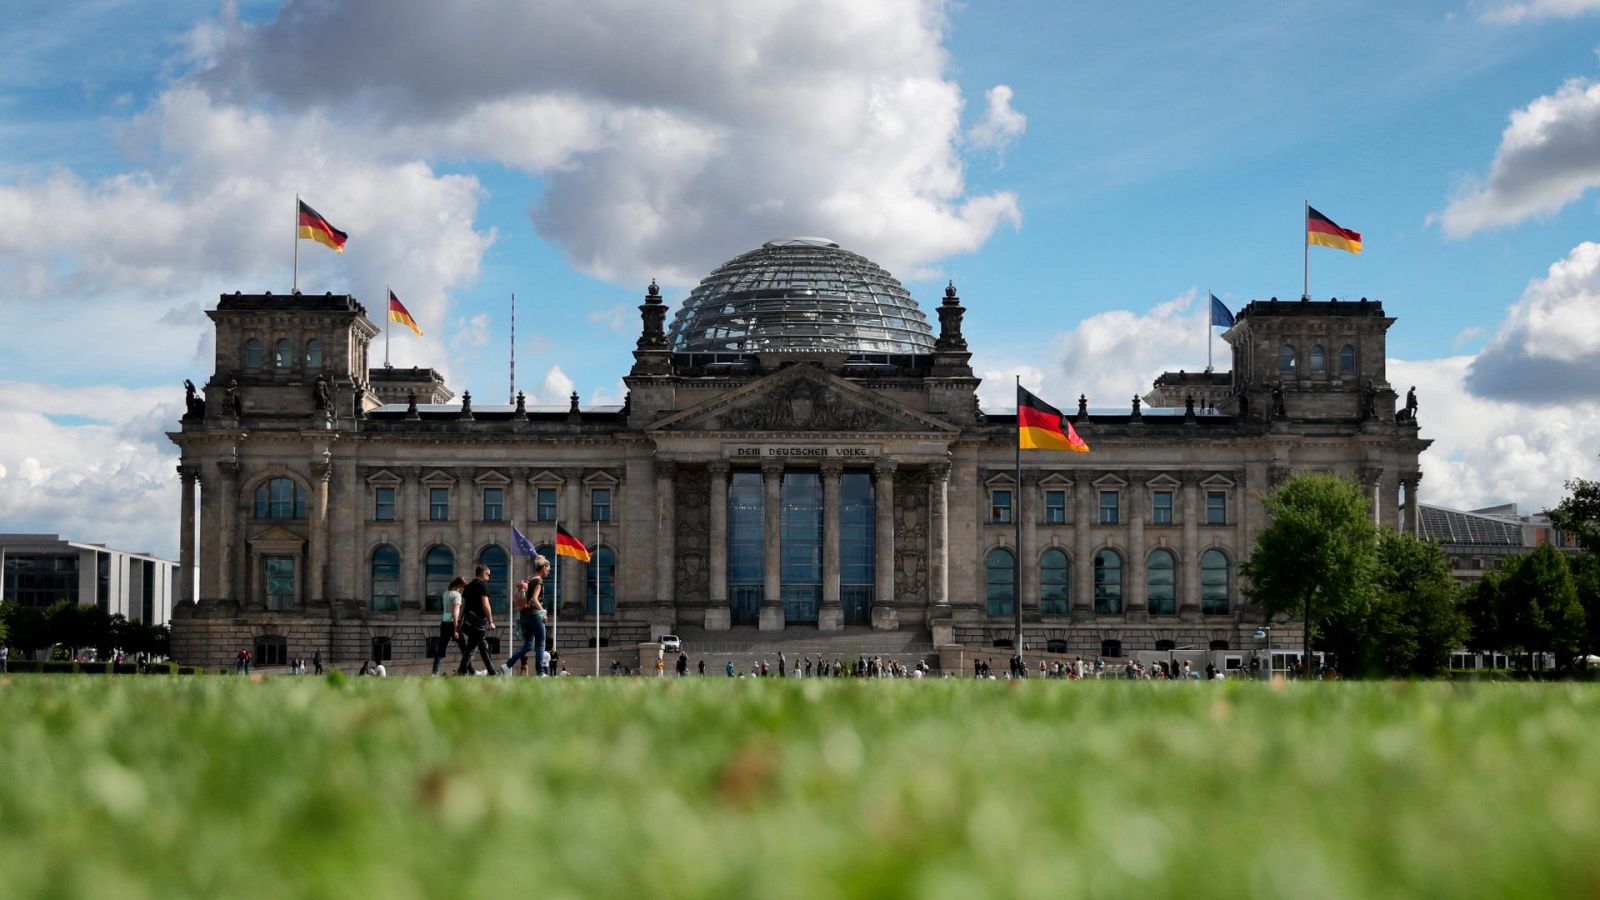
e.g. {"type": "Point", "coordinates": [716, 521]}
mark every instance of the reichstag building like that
{"type": "Point", "coordinates": [800, 449]}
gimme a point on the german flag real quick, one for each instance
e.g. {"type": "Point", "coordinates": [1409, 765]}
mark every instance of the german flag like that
{"type": "Point", "coordinates": [1040, 426]}
{"type": "Point", "coordinates": [1321, 231]}
{"type": "Point", "coordinates": [315, 228]}
{"type": "Point", "coordinates": [567, 545]}
{"type": "Point", "coordinates": [399, 313]}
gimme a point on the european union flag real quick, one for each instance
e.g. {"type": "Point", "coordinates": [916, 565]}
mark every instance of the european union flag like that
{"type": "Point", "coordinates": [521, 542]}
{"type": "Point", "coordinates": [1219, 313]}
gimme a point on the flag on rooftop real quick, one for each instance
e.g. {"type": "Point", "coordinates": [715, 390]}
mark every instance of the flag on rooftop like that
{"type": "Point", "coordinates": [1219, 313]}
{"type": "Point", "coordinates": [314, 227]}
{"type": "Point", "coordinates": [399, 313]}
{"type": "Point", "coordinates": [1040, 426]}
{"type": "Point", "coordinates": [1322, 231]}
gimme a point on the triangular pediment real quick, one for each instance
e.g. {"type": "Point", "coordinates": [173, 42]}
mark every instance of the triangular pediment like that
{"type": "Point", "coordinates": [276, 535]}
{"type": "Point", "coordinates": [802, 398]}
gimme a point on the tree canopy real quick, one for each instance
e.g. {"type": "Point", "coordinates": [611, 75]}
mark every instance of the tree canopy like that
{"type": "Point", "coordinates": [1318, 556]}
{"type": "Point", "coordinates": [1579, 514]}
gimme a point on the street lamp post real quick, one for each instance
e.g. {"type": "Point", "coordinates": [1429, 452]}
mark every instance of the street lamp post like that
{"type": "Point", "coordinates": [1265, 631]}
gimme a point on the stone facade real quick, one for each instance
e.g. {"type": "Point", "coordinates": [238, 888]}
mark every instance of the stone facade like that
{"type": "Point", "coordinates": [329, 508]}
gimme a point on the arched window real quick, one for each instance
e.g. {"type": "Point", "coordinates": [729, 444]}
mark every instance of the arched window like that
{"type": "Point", "coordinates": [1347, 360]}
{"type": "Point", "coordinates": [313, 354]}
{"type": "Point", "coordinates": [604, 568]}
{"type": "Point", "coordinates": [386, 579]}
{"type": "Point", "coordinates": [280, 498]}
{"type": "Point", "coordinates": [1000, 582]}
{"type": "Point", "coordinates": [252, 354]}
{"type": "Point", "coordinates": [494, 556]}
{"type": "Point", "coordinates": [283, 354]}
{"type": "Point", "coordinates": [1286, 359]}
{"type": "Point", "coordinates": [1214, 583]}
{"type": "Point", "coordinates": [1054, 583]}
{"type": "Point", "coordinates": [1108, 582]}
{"type": "Point", "coordinates": [1319, 360]}
{"type": "Point", "coordinates": [439, 571]}
{"type": "Point", "coordinates": [1161, 583]}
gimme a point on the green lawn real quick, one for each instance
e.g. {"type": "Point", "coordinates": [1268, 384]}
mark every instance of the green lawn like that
{"type": "Point", "coordinates": [414, 787]}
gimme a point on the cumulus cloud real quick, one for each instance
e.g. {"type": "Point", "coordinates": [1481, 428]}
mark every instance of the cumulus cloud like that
{"type": "Point", "coordinates": [1001, 125]}
{"type": "Point", "coordinates": [1486, 451]}
{"type": "Point", "coordinates": [778, 118]}
{"type": "Point", "coordinates": [1547, 351]}
{"type": "Point", "coordinates": [1549, 155]}
{"type": "Point", "coordinates": [1514, 13]}
{"type": "Point", "coordinates": [1111, 356]}
{"type": "Point", "coordinates": [91, 463]}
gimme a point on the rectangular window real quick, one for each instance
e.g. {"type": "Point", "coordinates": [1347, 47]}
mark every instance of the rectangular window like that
{"type": "Point", "coordinates": [494, 502]}
{"type": "Point", "coordinates": [1161, 512]}
{"type": "Point", "coordinates": [1000, 507]}
{"type": "Point", "coordinates": [438, 504]}
{"type": "Point", "coordinates": [1216, 507]}
{"type": "Point", "coordinates": [1055, 507]}
{"type": "Point", "coordinates": [278, 576]}
{"type": "Point", "coordinates": [546, 505]}
{"type": "Point", "coordinates": [600, 505]}
{"type": "Point", "coordinates": [1108, 507]}
{"type": "Point", "coordinates": [383, 508]}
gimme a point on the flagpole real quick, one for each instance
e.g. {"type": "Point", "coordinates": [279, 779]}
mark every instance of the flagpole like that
{"type": "Point", "coordinates": [511, 394]}
{"type": "Point", "coordinates": [1305, 220]}
{"type": "Point", "coordinates": [387, 321]}
{"type": "Point", "coordinates": [295, 283]}
{"type": "Point", "coordinates": [1017, 520]}
{"type": "Point", "coordinates": [594, 560]}
{"type": "Point", "coordinates": [1206, 319]}
{"type": "Point", "coordinates": [511, 601]}
{"type": "Point", "coordinates": [555, 608]}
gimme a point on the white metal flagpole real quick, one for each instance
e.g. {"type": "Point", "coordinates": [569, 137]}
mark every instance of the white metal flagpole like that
{"type": "Point", "coordinates": [594, 560]}
{"type": "Point", "coordinates": [388, 292]}
{"type": "Point", "coordinates": [1207, 320]}
{"type": "Point", "coordinates": [295, 283]}
{"type": "Point", "coordinates": [1305, 238]}
{"type": "Point", "coordinates": [555, 606]}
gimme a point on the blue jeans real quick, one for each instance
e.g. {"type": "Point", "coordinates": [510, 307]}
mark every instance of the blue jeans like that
{"type": "Point", "coordinates": [532, 643]}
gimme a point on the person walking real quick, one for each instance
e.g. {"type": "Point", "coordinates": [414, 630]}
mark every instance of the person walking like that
{"type": "Point", "coordinates": [5, 658]}
{"type": "Point", "coordinates": [530, 615]}
{"type": "Point", "coordinates": [476, 621]}
{"type": "Point", "coordinates": [451, 602]}
{"type": "Point", "coordinates": [316, 660]}
{"type": "Point", "coordinates": [683, 664]}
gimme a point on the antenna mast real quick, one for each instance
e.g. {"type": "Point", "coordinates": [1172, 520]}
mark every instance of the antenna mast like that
{"type": "Point", "coordinates": [511, 395]}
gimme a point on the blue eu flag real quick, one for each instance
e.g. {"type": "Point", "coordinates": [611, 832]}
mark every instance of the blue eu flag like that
{"type": "Point", "coordinates": [1219, 313]}
{"type": "Point", "coordinates": [521, 542]}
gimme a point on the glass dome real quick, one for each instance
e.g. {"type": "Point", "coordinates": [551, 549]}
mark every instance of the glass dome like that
{"type": "Point", "coordinates": [800, 294]}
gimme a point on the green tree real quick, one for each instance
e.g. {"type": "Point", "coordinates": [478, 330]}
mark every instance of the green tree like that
{"type": "Point", "coordinates": [1586, 577]}
{"type": "Point", "coordinates": [1419, 620]}
{"type": "Point", "coordinates": [1317, 558]}
{"type": "Point", "coordinates": [1533, 601]}
{"type": "Point", "coordinates": [1579, 514]}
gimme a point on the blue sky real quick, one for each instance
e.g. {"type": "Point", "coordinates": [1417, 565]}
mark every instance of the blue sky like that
{"type": "Point", "coordinates": [1085, 173]}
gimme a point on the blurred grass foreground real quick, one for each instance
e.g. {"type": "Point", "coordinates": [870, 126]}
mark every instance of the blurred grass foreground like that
{"type": "Point", "coordinates": [415, 787]}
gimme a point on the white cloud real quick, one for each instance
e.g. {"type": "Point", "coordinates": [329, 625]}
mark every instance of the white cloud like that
{"type": "Point", "coordinates": [1514, 13]}
{"type": "Point", "coordinates": [781, 118]}
{"type": "Point", "coordinates": [1001, 125]}
{"type": "Point", "coordinates": [1111, 356]}
{"type": "Point", "coordinates": [1487, 452]}
{"type": "Point", "coordinates": [1549, 155]}
{"type": "Point", "coordinates": [616, 318]}
{"type": "Point", "coordinates": [91, 463]}
{"type": "Point", "coordinates": [1547, 351]}
{"type": "Point", "coordinates": [554, 390]}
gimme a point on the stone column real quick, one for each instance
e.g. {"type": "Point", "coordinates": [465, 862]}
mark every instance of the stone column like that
{"type": "Point", "coordinates": [772, 536]}
{"type": "Point", "coordinates": [1083, 519]}
{"type": "Point", "coordinates": [186, 529]}
{"type": "Point", "coordinates": [317, 551]}
{"type": "Point", "coordinates": [1371, 477]}
{"type": "Point", "coordinates": [461, 506]}
{"type": "Point", "coordinates": [570, 512]}
{"type": "Point", "coordinates": [1413, 525]}
{"type": "Point", "coordinates": [1189, 555]}
{"type": "Point", "coordinates": [414, 594]}
{"type": "Point", "coordinates": [885, 616]}
{"type": "Point", "coordinates": [1135, 592]}
{"type": "Point", "coordinates": [719, 616]}
{"type": "Point", "coordinates": [666, 532]}
{"type": "Point", "coordinates": [939, 534]}
{"type": "Point", "coordinates": [227, 530]}
{"type": "Point", "coordinates": [831, 616]}
{"type": "Point", "coordinates": [1028, 553]}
